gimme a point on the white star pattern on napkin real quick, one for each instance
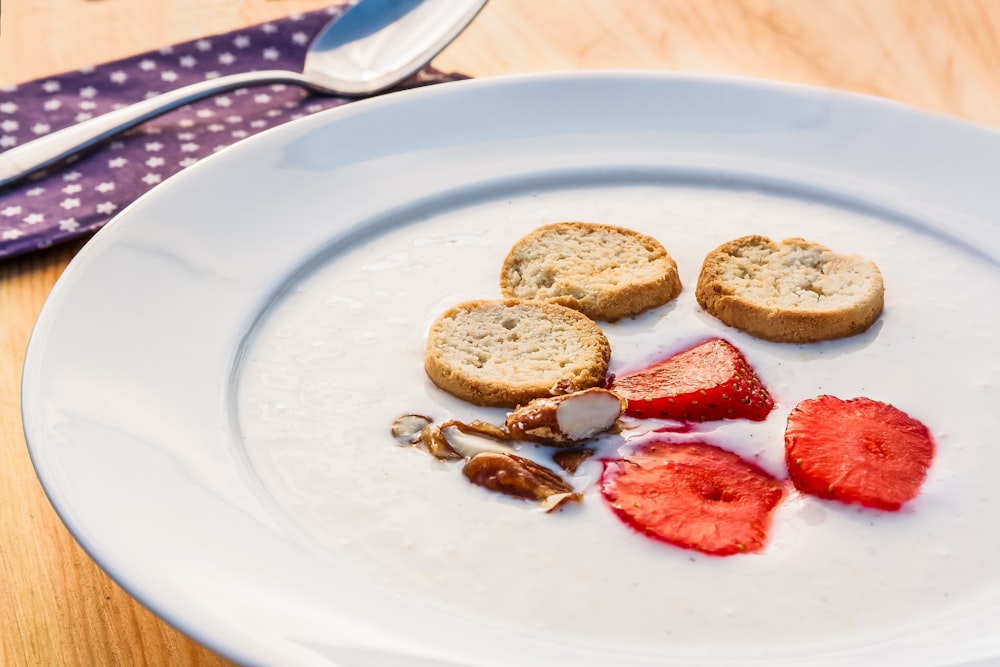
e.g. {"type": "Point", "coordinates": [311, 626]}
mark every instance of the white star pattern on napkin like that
{"type": "Point", "coordinates": [33, 213]}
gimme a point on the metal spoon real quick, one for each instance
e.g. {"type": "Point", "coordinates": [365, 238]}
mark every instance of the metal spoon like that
{"type": "Point", "coordinates": [373, 46]}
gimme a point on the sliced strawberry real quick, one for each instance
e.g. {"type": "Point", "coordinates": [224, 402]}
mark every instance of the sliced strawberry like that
{"type": "Point", "coordinates": [857, 451]}
{"type": "Point", "coordinates": [693, 495]}
{"type": "Point", "coordinates": [707, 382]}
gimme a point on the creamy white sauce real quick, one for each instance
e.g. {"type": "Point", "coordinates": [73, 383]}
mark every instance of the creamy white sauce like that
{"type": "Point", "coordinates": [340, 357]}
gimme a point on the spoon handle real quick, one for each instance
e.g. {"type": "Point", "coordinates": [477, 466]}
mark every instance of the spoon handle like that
{"type": "Point", "coordinates": [18, 162]}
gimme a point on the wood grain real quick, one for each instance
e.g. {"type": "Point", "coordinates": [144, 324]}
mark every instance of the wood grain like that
{"type": "Point", "coordinates": [57, 607]}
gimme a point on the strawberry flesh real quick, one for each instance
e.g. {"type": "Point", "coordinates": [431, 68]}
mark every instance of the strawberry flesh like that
{"type": "Point", "coordinates": [708, 382]}
{"type": "Point", "coordinates": [693, 495]}
{"type": "Point", "coordinates": [857, 451]}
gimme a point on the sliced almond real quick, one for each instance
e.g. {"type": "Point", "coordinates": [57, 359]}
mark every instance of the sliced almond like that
{"type": "Point", "coordinates": [519, 477]}
{"type": "Point", "coordinates": [477, 427]}
{"type": "Point", "coordinates": [472, 439]}
{"type": "Point", "coordinates": [566, 419]}
{"type": "Point", "coordinates": [557, 500]}
{"type": "Point", "coordinates": [407, 428]}
{"type": "Point", "coordinates": [433, 441]}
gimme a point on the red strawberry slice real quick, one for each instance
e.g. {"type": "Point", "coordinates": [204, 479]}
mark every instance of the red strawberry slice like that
{"type": "Point", "coordinates": [693, 495]}
{"type": "Point", "coordinates": [857, 451]}
{"type": "Point", "coordinates": [707, 382]}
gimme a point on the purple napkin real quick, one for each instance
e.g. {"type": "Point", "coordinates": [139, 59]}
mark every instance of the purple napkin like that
{"type": "Point", "coordinates": [76, 198]}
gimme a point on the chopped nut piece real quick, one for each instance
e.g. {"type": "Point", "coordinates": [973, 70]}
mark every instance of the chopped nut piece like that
{"type": "Point", "coordinates": [567, 419]}
{"type": "Point", "coordinates": [469, 440]}
{"type": "Point", "coordinates": [408, 427]}
{"type": "Point", "coordinates": [477, 427]}
{"type": "Point", "coordinates": [434, 441]}
{"type": "Point", "coordinates": [570, 459]}
{"type": "Point", "coordinates": [557, 500]}
{"type": "Point", "coordinates": [519, 477]}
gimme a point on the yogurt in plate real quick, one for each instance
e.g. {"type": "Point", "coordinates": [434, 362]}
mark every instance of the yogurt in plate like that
{"type": "Point", "coordinates": [339, 356]}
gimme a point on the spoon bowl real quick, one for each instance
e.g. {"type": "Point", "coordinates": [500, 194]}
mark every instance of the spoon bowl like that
{"type": "Point", "coordinates": [373, 46]}
{"type": "Point", "coordinates": [379, 43]}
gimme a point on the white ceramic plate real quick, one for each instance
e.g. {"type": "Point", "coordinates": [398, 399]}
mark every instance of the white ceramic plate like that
{"type": "Point", "coordinates": [208, 390]}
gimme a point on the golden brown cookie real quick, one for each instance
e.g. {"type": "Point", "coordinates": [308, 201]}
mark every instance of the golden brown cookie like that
{"type": "Point", "coordinates": [795, 291]}
{"type": "Point", "coordinates": [603, 271]}
{"type": "Point", "coordinates": [504, 353]}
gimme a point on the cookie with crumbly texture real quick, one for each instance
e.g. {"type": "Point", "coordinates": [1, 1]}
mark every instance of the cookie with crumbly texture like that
{"type": "Point", "coordinates": [795, 291]}
{"type": "Point", "coordinates": [506, 352]}
{"type": "Point", "coordinates": [603, 271]}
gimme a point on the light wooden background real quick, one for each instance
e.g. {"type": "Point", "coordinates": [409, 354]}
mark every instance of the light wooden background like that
{"type": "Point", "coordinates": [56, 606]}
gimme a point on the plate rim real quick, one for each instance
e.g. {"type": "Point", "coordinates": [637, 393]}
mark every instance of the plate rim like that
{"type": "Point", "coordinates": [90, 253]}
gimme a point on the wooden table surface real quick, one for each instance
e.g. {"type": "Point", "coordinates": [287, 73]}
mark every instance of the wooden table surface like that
{"type": "Point", "coordinates": [57, 607]}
